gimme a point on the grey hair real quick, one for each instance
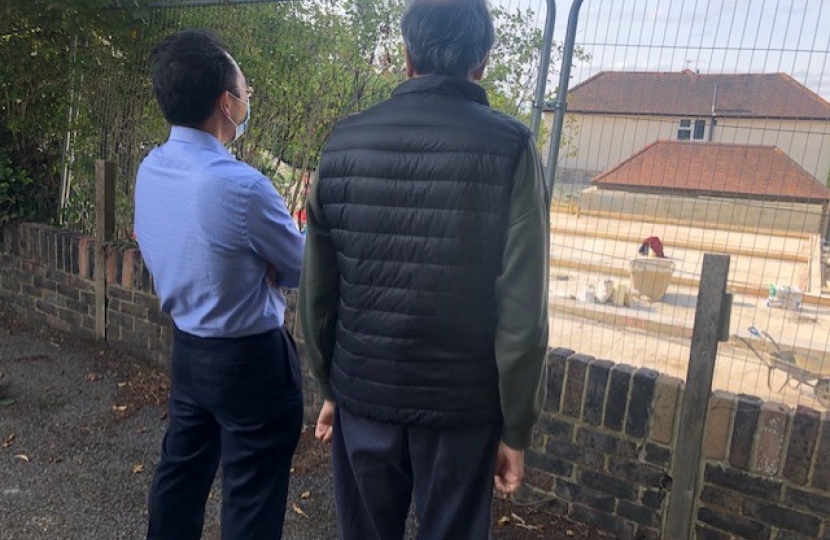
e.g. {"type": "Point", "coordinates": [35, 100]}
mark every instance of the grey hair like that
{"type": "Point", "coordinates": [447, 37]}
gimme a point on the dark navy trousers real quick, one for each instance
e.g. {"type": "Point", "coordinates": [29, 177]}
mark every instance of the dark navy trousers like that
{"type": "Point", "coordinates": [378, 467]}
{"type": "Point", "coordinates": [238, 401]}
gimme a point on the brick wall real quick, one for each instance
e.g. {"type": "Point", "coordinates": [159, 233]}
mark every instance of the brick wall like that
{"type": "Point", "coordinates": [46, 274]}
{"type": "Point", "coordinates": [601, 453]}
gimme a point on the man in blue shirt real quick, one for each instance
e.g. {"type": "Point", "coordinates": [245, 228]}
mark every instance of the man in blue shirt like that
{"type": "Point", "coordinates": [216, 236]}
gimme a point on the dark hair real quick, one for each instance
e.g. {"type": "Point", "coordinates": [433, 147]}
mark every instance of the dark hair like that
{"type": "Point", "coordinates": [447, 37]}
{"type": "Point", "coordinates": [190, 70]}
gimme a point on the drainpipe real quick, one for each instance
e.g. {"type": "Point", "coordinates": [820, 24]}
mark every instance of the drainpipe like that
{"type": "Point", "coordinates": [714, 114]}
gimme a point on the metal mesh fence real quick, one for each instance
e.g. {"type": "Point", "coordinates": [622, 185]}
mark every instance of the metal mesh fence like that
{"type": "Point", "coordinates": [698, 126]}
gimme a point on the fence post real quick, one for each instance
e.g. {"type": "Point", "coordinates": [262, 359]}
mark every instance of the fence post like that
{"type": "Point", "coordinates": [710, 315]}
{"type": "Point", "coordinates": [104, 232]}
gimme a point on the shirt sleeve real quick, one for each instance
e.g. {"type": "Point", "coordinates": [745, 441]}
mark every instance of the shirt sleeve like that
{"type": "Point", "coordinates": [273, 235]}
{"type": "Point", "coordinates": [319, 294]}
{"type": "Point", "coordinates": [522, 303]}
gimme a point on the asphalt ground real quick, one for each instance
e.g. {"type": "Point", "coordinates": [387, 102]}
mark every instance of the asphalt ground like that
{"type": "Point", "coordinates": [80, 430]}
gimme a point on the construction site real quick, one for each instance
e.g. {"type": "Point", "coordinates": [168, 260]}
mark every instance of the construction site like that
{"type": "Point", "coordinates": [610, 301]}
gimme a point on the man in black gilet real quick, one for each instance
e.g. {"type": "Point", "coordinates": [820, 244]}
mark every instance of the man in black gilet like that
{"type": "Point", "coordinates": [424, 291]}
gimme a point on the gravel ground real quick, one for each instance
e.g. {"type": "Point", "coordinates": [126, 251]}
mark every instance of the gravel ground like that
{"type": "Point", "coordinates": [80, 428]}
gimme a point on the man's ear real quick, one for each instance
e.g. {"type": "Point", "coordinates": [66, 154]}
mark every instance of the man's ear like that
{"type": "Point", "coordinates": [478, 73]}
{"type": "Point", "coordinates": [410, 71]}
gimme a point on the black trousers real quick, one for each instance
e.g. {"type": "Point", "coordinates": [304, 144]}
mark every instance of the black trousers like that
{"type": "Point", "coordinates": [238, 399]}
{"type": "Point", "coordinates": [378, 467]}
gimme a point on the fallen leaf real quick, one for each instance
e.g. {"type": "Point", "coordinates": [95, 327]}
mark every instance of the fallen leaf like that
{"type": "Point", "coordinates": [119, 408]}
{"type": "Point", "coordinates": [122, 384]}
{"type": "Point", "coordinates": [520, 522]}
{"type": "Point", "coordinates": [163, 415]}
{"type": "Point", "coordinates": [6, 402]}
{"type": "Point", "coordinates": [504, 520]}
{"type": "Point", "coordinates": [569, 532]}
{"type": "Point", "coordinates": [141, 431]}
{"type": "Point", "coordinates": [298, 510]}
{"type": "Point", "coordinates": [138, 468]}
{"type": "Point", "coordinates": [292, 470]}
{"type": "Point", "coordinates": [8, 441]}
{"type": "Point", "coordinates": [93, 377]}
{"type": "Point", "coordinates": [22, 457]}
{"type": "Point", "coordinates": [305, 494]}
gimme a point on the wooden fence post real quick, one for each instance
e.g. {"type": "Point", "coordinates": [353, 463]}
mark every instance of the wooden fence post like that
{"type": "Point", "coordinates": [104, 232]}
{"type": "Point", "coordinates": [710, 316]}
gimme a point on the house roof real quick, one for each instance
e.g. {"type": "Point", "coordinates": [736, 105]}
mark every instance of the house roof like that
{"type": "Point", "coordinates": [730, 170]}
{"type": "Point", "coordinates": [748, 95]}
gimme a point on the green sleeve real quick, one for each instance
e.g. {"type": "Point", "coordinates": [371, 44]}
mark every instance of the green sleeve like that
{"type": "Point", "coordinates": [319, 294]}
{"type": "Point", "coordinates": [522, 303]}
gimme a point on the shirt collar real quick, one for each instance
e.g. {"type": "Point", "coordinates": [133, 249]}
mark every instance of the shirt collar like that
{"type": "Point", "coordinates": [442, 84]}
{"type": "Point", "coordinates": [197, 136]}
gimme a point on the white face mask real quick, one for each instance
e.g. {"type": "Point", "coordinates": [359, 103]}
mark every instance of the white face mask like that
{"type": "Point", "coordinates": [242, 126]}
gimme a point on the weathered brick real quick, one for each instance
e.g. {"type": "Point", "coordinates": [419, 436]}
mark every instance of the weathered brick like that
{"type": "Point", "coordinates": [113, 261]}
{"type": "Point", "coordinates": [723, 499]}
{"type": "Point", "coordinates": [638, 514]}
{"type": "Point", "coordinates": [584, 495]}
{"type": "Point", "coordinates": [557, 361]}
{"type": "Point", "coordinates": [548, 464]}
{"type": "Point", "coordinates": [607, 522]}
{"type": "Point", "coordinates": [150, 301]}
{"type": "Point", "coordinates": [133, 310]}
{"type": "Point", "coordinates": [115, 318]}
{"type": "Point", "coordinates": [742, 482]}
{"type": "Point", "coordinates": [608, 484]}
{"type": "Point", "coordinates": [606, 443]}
{"type": "Point", "coordinates": [642, 392]}
{"type": "Point", "coordinates": [130, 260]}
{"type": "Point", "coordinates": [640, 473]}
{"type": "Point", "coordinates": [718, 425]}
{"type": "Point", "coordinates": [658, 455]}
{"type": "Point", "coordinates": [702, 532]}
{"type": "Point", "coordinates": [743, 432]}
{"type": "Point", "coordinates": [576, 454]}
{"type": "Point", "coordinates": [818, 503]}
{"type": "Point", "coordinates": [74, 254]}
{"type": "Point", "coordinates": [85, 257]}
{"type": "Point", "coordinates": [556, 427]}
{"type": "Point", "coordinates": [802, 444]}
{"type": "Point", "coordinates": [147, 329]}
{"type": "Point", "coordinates": [778, 516]}
{"type": "Point", "coordinates": [772, 431]}
{"type": "Point", "coordinates": [664, 408]}
{"type": "Point", "coordinates": [46, 307]}
{"type": "Point", "coordinates": [44, 283]}
{"type": "Point", "coordinates": [617, 402]}
{"type": "Point", "coordinates": [146, 279]}
{"type": "Point", "coordinates": [74, 319]}
{"type": "Point", "coordinates": [647, 533]}
{"type": "Point", "coordinates": [821, 471]}
{"type": "Point", "coordinates": [120, 293]}
{"type": "Point", "coordinates": [788, 535]}
{"type": "Point", "coordinates": [653, 498]}
{"type": "Point", "coordinates": [743, 527]}
{"type": "Point", "coordinates": [575, 384]}
{"type": "Point", "coordinates": [537, 478]}
{"type": "Point", "coordinates": [598, 374]}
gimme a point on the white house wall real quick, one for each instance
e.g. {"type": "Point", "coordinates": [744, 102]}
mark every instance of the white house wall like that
{"type": "Point", "coordinates": [599, 142]}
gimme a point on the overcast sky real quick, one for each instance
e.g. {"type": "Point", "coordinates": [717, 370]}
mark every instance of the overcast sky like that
{"type": "Point", "coordinates": [712, 36]}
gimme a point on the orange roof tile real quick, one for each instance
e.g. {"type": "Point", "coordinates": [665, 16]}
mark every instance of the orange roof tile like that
{"type": "Point", "coordinates": [748, 95]}
{"type": "Point", "coordinates": [730, 170]}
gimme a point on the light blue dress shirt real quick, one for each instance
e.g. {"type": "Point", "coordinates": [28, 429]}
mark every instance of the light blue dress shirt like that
{"type": "Point", "coordinates": [208, 226]}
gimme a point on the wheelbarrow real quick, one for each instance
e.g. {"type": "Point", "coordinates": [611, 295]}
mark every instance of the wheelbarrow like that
{"type": "Point", "coordinates": [780, 360]}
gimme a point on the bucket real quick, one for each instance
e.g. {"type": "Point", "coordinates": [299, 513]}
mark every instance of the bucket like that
{"type": "Point", "coordinates": [651, 277]}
